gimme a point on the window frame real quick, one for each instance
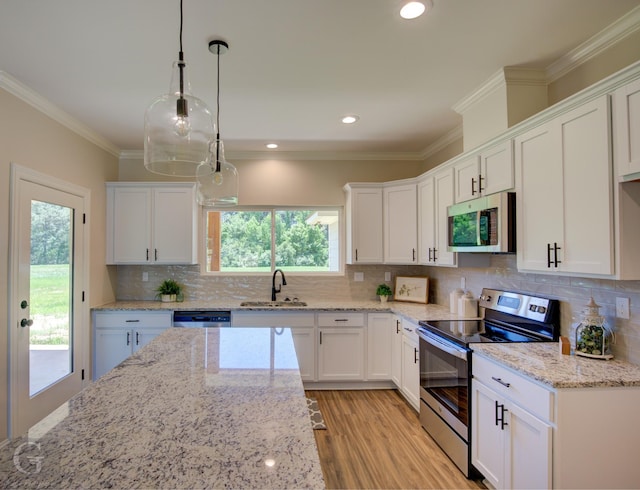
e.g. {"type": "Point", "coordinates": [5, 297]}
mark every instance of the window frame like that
{"type": "Point", "coordinates": [272, 210]}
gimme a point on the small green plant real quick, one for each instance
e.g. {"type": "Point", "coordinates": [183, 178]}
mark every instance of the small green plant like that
{"type": "Point", "coordinates": [169, 286]}
{"type": "Point", "coordinates": [383, 290]}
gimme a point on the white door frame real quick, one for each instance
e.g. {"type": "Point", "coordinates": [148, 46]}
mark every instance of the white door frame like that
{"type": "Point", "coordinates": [20, 173]}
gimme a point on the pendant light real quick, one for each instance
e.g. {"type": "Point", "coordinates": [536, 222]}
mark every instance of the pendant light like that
{"type": "Point", "coordinates": [217, 179]}
{"type": "Point", "coordinates": [178, 127]}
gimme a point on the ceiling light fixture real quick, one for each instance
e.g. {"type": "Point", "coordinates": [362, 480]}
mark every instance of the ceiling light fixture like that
{"type": "Point", "coordinates": [178, 127]}
{"type": "Point", "coordinates": [271, 146]}
{"type": "Point", "coordinates": [350, 119]}
{"type": "Point", "coordinates": [412, 10]}
{"type": "Point", "coordinates": [217, 179]}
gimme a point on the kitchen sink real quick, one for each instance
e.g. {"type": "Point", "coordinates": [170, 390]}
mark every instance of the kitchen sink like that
{"type": "Point", "coordinates": [273, 304]}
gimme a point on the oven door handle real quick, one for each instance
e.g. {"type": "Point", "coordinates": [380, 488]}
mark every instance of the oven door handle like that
{"type": "Point", "coordinates": [445, 346]}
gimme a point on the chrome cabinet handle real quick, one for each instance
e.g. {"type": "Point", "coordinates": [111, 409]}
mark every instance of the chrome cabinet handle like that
{"type": "Point", "coordinates": [499, 380]}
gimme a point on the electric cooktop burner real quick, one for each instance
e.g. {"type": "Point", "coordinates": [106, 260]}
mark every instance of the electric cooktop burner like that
{"type": "Point", "coordinates": [507, 317]}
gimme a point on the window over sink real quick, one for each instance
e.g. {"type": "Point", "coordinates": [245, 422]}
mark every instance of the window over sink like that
{"type": "Point", "coordinates": [260, 240]}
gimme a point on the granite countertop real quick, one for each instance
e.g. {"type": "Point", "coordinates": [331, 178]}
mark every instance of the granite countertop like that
{"type": "Point", "coordinates": [196, 408]}
{"type": "Point", "coordinates": [412, 311]}
{"type": "Point", "coordinates": [543, 362]}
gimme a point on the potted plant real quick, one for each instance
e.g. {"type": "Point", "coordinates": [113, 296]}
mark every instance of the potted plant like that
{"type": "Point", "coordinates": [383, 291]}
{"type": "Point", "coordinates": [168, 290]}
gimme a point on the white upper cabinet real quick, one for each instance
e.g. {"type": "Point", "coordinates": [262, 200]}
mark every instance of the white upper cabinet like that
{"type": "Point", "coordinates": [485, 173]}
{"type": "Point", "coordinates": [364, 223]}
{"type": "Point", "coordinates": [627, 130]}
{"type": "Point", "coordinates": [400, 224]}
{"type": "Point", "coordinates": [564, 193]}
{"type": "Point", "coordinates": [435, 193]}
{"type": "Point", "coordinates": [151, 223]}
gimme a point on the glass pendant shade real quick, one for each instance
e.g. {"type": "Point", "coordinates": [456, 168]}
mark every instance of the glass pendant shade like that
{"type": "Point", "coordinates": [178, 129]}
{"type": "Point", "coordinates": [217, 179]}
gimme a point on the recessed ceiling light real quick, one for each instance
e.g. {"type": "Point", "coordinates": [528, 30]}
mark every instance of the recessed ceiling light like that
{"type": "Point", "coordinates": [350, 119]}
{"type": "Point", "coordinates": [271, 146]}
{"type": "Point", "coordinates": [411, 10]}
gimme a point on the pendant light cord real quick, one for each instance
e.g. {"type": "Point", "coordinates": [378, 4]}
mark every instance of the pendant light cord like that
{"type": "Point", "coordinates": [218, 114]}
{"type": "Point", "coordinates": [181, 58]}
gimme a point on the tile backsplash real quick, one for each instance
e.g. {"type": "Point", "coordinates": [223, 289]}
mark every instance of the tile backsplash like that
{"type": "Point", "coordinates": [573, 292]}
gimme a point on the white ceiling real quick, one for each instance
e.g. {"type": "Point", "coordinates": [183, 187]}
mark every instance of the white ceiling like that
{"type": "Point", "coordinates": [294, 67]}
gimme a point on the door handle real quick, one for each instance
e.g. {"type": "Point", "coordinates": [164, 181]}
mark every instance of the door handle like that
{"type": "Point", "coordinates": [26, 322]}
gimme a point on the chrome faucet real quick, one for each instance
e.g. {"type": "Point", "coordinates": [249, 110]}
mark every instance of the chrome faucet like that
{"type": "Point", "coordinates": [274, 291]}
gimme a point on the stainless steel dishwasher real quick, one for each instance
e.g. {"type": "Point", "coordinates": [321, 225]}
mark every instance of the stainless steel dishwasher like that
{"type": "Point", "coordinates": [201, 318]}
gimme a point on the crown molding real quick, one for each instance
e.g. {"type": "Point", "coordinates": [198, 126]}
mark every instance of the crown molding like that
{"type": "Point", "coordinates": [37, 101]}
{"type": "Point", "coordinates": [603, 40]}
{"type": "Point", "coordinates": [301, 155]}
{"type": "Point", "coordinates": [445, 140]}
{"type": "Point", "coordinates": [508, 75]}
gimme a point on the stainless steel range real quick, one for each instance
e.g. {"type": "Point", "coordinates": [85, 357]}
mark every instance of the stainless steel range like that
{"type": "Point", "coordinates": [445, 361]}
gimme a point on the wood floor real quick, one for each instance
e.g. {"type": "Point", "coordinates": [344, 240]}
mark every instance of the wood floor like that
{"type": "Point", "coordinates": [374, 440]}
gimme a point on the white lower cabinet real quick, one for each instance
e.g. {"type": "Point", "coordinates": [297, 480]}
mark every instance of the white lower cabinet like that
{"type": "Point", "coordinates": [305, 344]}
{"type": "Point", "coordinates": [410, 387]}
{"type": "Point", "coordinates": [528, 435]}
{"type": "Point", "coordinates": [396, 351]}
{"type": "Point", "coordinates": [302, 325]}
{"type": "Point", "coordinates": [510, 447]}
{"type": "Point", "coordinates": [341, 353]}
{"type": "Point", "coordinates": [379, 338]}
{"type": "Point", "coordinates": [118, 334]}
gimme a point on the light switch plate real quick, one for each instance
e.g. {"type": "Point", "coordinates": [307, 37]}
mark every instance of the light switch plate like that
{"type": "Point", "coordinates": [145, 276]}
{"type": "Point", "coordinates": [358, 276]}
{"type": "Point", "coordinates": [622, 308]}
{"type": "Point", "coordinates": [387, 276]}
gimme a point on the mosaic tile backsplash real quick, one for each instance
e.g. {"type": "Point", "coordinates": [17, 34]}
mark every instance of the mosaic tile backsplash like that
{"type": "Point", "coordinates": [573, 292]}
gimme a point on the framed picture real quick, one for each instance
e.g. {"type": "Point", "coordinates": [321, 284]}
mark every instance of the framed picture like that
{"type": "Point", "coordinates": [414, 289]}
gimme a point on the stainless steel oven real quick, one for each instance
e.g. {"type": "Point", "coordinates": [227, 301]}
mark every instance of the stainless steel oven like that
{"type": "Point", "coordinates": [445, 362]}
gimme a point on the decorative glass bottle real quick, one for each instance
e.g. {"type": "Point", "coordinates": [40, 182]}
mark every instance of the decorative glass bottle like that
{"type": "Point", "coordinates": [593, 337]}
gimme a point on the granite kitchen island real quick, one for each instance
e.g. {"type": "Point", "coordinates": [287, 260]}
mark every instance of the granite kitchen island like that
{"type": "Point", "coordinates": [196, 408]}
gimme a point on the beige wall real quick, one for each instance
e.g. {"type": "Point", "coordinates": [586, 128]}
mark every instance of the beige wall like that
{"type": "Point", "coordinates": [604, 64]}
{"type": "Point", "coordinates": [291, 183]}
{"type": "Point", "coordinates": [32, 139]}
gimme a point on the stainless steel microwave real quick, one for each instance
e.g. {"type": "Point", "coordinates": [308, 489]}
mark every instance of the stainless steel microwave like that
{"type": "Point", "coordinates": [485, 224]}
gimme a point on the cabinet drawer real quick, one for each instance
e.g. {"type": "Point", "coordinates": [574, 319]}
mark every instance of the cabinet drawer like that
{"type": "Point", "coordinates": [341, 319]}
{"type": "Point", "coordinates": [409, 330]}
{"type": "Point", "coordinates": [518, 388]}
{"type": "Point", "coordinates": [266, 319]}
{"type": "Point", "coordinates": [133, 319]}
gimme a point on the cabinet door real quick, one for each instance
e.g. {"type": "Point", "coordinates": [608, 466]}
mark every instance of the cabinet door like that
{"type": "Point", "coordinates": [400, 224]}
{"type": "Point", "coordinates": [142, 336]}
{"type": "Point", "coordinates": [487, 437]}
{"type": "Point", "coordinates": [129, 225]}
{"type": "Point", "coordinates": [396, 352]}
{"type": "Point", "coordinates": [364, 226]}
{"type": "Point", "coordinates": [426, 221]}
{"type": "Point", "coordinates": [174, 226]}
{"type": "Point", "coordinates": [305, 345]}
{"type": "Point", "coordinates": [587, 188]}
{"type": "Point", "coordinates": [443, 182]}
{"type": "Point", "coordinates": [467, 174]}
{"type": "Point", "coordinates": [379, 345]}
{"type": "Point", "coordinates": [539, 196]}
{"type": "Point", "coordinates": [411, 372]}
{"type": "Point", "coordinates": [113, 345]}
{"type": "Point", "coordinates": [529, 450]}
{"type": "Point", "coordinates": [341, 354]}
{"type": "Point", "coordinates": [627, 129]}
{"type": "Point", "coordinates": [496, 169]}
